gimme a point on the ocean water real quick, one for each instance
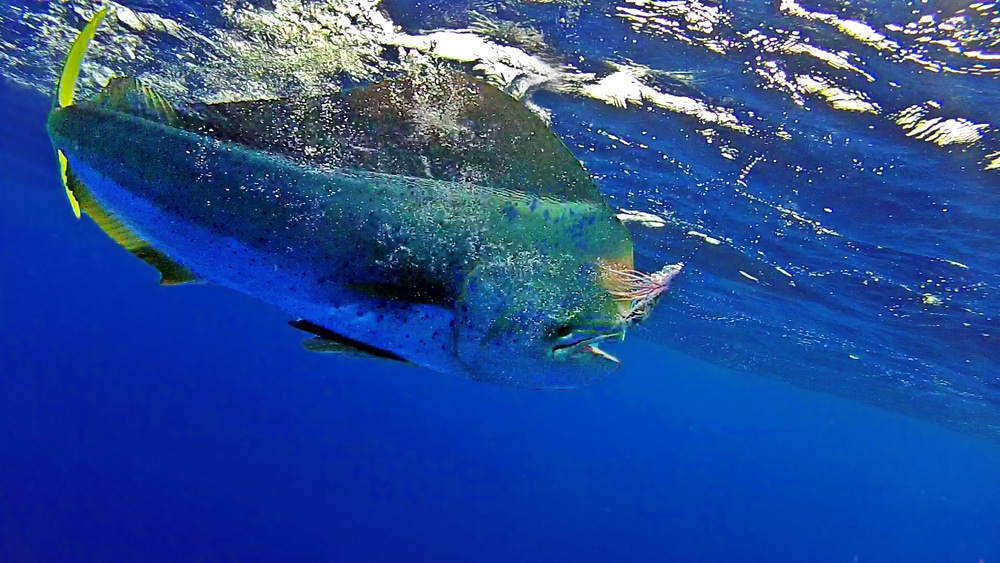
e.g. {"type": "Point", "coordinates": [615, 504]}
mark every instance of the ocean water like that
{"type": "Point", "coordinates": [821, 383]}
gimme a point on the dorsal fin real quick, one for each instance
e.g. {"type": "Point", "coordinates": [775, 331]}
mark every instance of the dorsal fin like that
{"type": "Point", "coordinates": [171, 273]}
{"type": "Point", "coordinates": [448, 127]}
{"type": "Point", "coordinates": [130, 95]}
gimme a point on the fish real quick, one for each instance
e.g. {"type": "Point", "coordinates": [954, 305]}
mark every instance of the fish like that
{"type": "Point", "coordinates": [430, 220]}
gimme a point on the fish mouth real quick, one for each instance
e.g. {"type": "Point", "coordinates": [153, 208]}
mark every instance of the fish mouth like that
{"type": "Point", "coordinates": [588, 348]}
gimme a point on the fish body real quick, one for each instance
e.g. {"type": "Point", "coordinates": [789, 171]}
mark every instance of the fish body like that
{"type": "Point", "coordinates": [435, 222]}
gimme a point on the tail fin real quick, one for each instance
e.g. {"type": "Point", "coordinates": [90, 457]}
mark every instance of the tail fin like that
{"type": "Point", "coordinates": [123, 95]}
{"type": "Point", "coordinates": [71, 67]}
{"type": "Point", "coordinates": [67, 86]}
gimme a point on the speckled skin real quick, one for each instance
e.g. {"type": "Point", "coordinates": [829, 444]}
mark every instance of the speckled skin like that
{"type": "Point", "coordinates": [473, 280]}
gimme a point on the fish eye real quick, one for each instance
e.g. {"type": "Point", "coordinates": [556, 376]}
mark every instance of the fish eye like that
{"type": "Point", "coordinates": [563, 330]}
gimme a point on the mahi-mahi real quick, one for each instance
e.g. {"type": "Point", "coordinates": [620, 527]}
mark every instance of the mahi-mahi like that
{"type": "Point", "coordinates": [432, 220]}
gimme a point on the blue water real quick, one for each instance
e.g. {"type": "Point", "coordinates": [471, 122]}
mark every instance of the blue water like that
{"type": "Point", "coordinates": [140, 423]}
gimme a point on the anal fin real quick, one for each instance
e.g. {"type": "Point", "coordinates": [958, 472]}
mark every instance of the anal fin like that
{"type": "Point", "coordinates": [327, 341]}
{"type": "Point", "coordinates": [171, 273]}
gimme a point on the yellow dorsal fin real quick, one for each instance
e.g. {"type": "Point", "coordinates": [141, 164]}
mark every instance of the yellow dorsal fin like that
{"type": "Point", "coordinates": [71, 68]}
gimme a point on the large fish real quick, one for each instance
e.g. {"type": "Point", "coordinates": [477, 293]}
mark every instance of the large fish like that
{"type": "Point", "coordinates": [434, 221]}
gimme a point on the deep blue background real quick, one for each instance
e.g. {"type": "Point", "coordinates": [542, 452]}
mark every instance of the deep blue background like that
{"type": "Point", "coordinates": [147, 423]}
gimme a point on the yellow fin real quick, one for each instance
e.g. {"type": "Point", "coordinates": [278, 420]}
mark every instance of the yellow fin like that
{"type": "Point", "coordinates": [130, 95]}
{"type": "Point", "coordinates": [63, 170]}
{"type": "Point", "coordinates": [171, 273]}
{"type": "Point", "coordinates": [71, 68]}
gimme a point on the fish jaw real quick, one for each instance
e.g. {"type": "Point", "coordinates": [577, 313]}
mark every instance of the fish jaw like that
{"type": "Point", "coordinates": [587, 349]}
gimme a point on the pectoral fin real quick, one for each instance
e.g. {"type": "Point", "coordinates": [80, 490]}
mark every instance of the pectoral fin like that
{"type": "Point", "coordinates": [327, 341]}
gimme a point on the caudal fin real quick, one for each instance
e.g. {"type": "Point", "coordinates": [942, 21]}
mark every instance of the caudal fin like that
{"type": "Point", "coordinates": [71, 67]}
{"type": "Point", "coordinates": [66, 87]}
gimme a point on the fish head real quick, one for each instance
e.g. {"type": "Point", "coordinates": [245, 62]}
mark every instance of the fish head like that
{"type": "Point", "coordinates": [543, 326]}
{"type": "Point", "coordinates": [533, 348]}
